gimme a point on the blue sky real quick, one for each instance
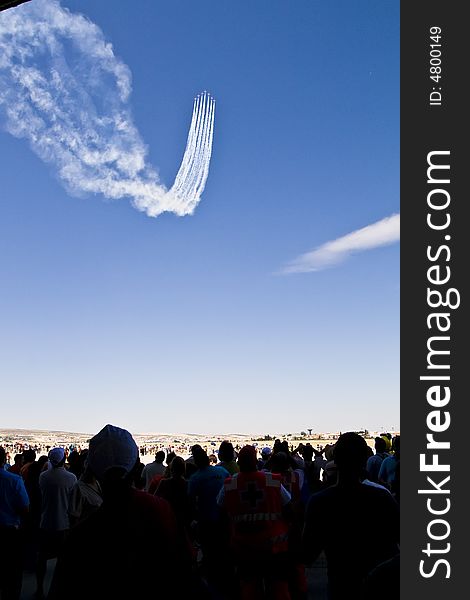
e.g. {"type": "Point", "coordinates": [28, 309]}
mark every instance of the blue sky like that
{"type": "Point", "coordinates": [187, 324]}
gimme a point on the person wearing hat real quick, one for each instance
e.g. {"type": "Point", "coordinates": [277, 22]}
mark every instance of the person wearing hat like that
{"type": "Point", "coordinates": [55, 486]}
{"type": "Point", "coordinates": [265, 456]}
{"type": "Point", "coordinates": [130, 546]}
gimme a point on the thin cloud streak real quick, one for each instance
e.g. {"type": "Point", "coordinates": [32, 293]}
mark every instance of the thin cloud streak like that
{"type": "Point", "coordinates": [63, 89]}
{"type": "Point", "coordinates": [330, 254]}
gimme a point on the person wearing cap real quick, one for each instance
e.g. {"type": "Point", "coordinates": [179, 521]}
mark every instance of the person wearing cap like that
{"type": "Point", "coordinates": [55, 486]}
{"type": "Point", "coordinates": [265, 456]}
{"type": "Point", "coordinates": [130, 546]}
{"type": "Point", "coordinates": [356, 525]}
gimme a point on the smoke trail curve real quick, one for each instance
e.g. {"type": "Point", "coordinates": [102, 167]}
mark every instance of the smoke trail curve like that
{"type": "Point", "coordinates": [63, 89]}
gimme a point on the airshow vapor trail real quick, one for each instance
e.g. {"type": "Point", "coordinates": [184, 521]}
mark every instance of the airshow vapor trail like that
{"type": "Point", "coordinates": [63, 89]}
{"type": "Point", "coordinates": [382, 233]}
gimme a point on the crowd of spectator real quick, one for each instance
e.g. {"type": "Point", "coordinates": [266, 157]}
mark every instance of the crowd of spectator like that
{"type": "Point", "coordinates": [245, 528]}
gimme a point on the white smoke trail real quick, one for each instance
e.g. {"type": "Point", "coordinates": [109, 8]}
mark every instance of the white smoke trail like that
{"type": "Point", "coordinates": [63, 89]}
{"type": "Point", "coordinates": [382, 233]}
{"type": "Point", "coordinates": [192, 175]}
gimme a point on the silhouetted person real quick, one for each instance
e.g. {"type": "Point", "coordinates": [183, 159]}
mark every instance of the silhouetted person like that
{"type": "Point", "coordinates": [282, 465]}
{"type": "Point", "coordinates": [55, 485]}
{"type": "Point", "coordinates": [388, 467]}
{"type": "Point", "coordinates": [129, 547]}
{"type": "Point", "coordinates": [153, 469]}
{"type": "Point", "coordinates": [203, 488]}
{"type": "Point", "coordinates": [356, 525]}
{"type": "Point", "coordinates": [29, 457]}
{"type": "Point", "coordinates": [14, 504]}
{"type": "Point", "coordinates": [255, 502]}
{"type": "Point", "coordinates": [374, 462]}
{"type": "Point", "coordinates": [191, 467]}
{"type": "Point", "coordinates": [32, 520]}
{"type": "Point", "coordinates": [17, 464]}
{"type": "Point", "coordinates": [175, 491]}
{"type": "Point", "coordinates": [85, 498]}
{"type": "Point", "coordinates": [227, 457]}
{"type": "Point", "coordinates": [75, 463]}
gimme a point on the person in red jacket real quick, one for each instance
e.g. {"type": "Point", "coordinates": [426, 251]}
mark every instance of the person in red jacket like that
{"type": "Point", "coordinates": [255, 502]}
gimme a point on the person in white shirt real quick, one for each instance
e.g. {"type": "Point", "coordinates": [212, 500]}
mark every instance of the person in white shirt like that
{"type": "Point", "coordinates": [154, 468]}
{"type": "Point", "coordinates": [55, 485]}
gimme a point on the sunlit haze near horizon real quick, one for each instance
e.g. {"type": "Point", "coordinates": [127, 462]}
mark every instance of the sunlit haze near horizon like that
{"type": "Point", "coordinates": [272, 305]}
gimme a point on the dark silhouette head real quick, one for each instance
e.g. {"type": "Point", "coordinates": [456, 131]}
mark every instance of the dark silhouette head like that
{"type": "Point", "coordinates": [396, 446]}
{"type": "Point", "coordinates": [177, 467]}
{"type": "Point", "coordinates": [42, 460]}
{"type": "Point", "coordinates": [350, 455]}
{"type": "Point", "coordinates": [75, 463]}
{"type": "Point", "coordinates": [3, 456]}
{"type": "Point", "coordinates": [279, 462]}
{"type": "Point", "coordinates": [195, 448]}
{"type": "Point", "coordinates": [113, 457]}
{"type": "Point", "coordinates": [380, 445]}
{"type": "Point", "coordinates": [159, 456]}
{"type": "Point", "coordinates": [29, 456]}
{"type": "Point", "coordinates": [247, 459]}
{"type": "Point", "coordinates": [226, 451]}
{"type": "Point", "coordinates": [307, 451]}
{"type": "Point", "coordinates": [201, 460]}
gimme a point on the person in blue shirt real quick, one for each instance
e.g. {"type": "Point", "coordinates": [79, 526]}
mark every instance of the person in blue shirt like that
{"type": "Point", "coordinates": [14, 504]}
{"type": "Point", "coordinates": [203, 488]}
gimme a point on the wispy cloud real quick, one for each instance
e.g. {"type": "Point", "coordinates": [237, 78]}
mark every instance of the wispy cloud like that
{"type": "Point", "coordinates": [63, 89]}
{"type": "Point", "coordinates": [381, 233]}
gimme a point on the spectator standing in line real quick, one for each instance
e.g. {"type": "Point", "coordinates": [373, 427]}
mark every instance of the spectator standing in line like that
{"type": "Point", "coordinates": [175, 491]}
{"type": "Point", "coordinates": [55, 485]}
{"type": "Point", "coordinates": [256, 502]}
{"type": "Point", "coordinates": [86, 497]}
{"type": "Point", "coordinates": [227, 457]}
{"type": "Point", "coordinates": [129, 547]}
{"type": "Point", "coordinates": [14, 504]}
{"type": "Point", "coordinates": [203, 488]}
{"type": "Point", "coordinates": [374, 462]}
{"type": "Point", "coordinates": [265, 456]}
{"type": "Point", "coordinates": [388, 467]}
{"type": "Point", "coordinates": [356, 525]}
{"type": "Point", "coordinates": [153, 469]}
{"type": "Point", "coordinates": [17, 465]}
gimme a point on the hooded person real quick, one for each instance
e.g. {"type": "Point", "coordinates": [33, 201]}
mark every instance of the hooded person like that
{"type": "Point", "coordinates": [129, 547]}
